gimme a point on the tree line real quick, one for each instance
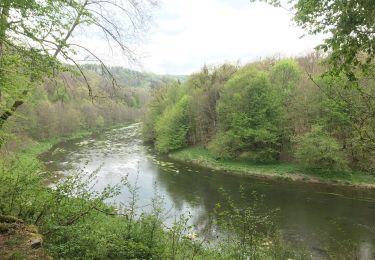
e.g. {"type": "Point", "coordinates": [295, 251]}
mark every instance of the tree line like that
{"type": "Point", "coordinates": [38, 41]}
{"type": "Point", "coordinates": [60, 107]}
{"type": "Point", "coordinates": [274, 110]}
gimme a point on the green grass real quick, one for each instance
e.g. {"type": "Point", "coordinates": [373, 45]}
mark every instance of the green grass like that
{"type": "Point", "coordinates": [203, 157]}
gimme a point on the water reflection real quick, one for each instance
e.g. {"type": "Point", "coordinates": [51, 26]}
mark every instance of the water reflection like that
{"type": "Point", "coordinates": [324, 218]}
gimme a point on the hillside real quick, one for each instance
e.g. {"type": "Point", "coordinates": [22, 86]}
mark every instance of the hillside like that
{"type": "Point", "coordinates": [133, 78]}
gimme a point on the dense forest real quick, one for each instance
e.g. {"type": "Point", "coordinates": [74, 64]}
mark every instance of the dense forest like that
{"type": "Point", "coordinates": [134, 78]}
{"type": "Point", "coordinates": [267, 111]}
{"type": "Point", "coordinates": [313, 113]}
{"type": "Point", "coordinates": [62, 106]}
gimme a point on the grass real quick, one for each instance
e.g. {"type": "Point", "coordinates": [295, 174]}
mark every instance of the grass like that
{"type": "Point", "coordinates": [289, 171]}
{"type": "Point", "coordinates": [31, 153]}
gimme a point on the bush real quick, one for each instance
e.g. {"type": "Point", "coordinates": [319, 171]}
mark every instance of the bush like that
{"type": "Point", "coordinates": [316, 149]}
{"type": "Point", "coordinates": [223, 146]}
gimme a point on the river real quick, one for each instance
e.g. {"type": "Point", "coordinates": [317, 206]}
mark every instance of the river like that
{"type": "Point", "coordinates": [321, 218]}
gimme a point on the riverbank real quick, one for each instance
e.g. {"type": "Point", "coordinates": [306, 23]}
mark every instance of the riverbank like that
{"type": "Point", "coordinates": [283, 171]}
{"type": "Point", "coordinates": [81, 223]}
{"type": "Point", "coordinates": [39, 147]}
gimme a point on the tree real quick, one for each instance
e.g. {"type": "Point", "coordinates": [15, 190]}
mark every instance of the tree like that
{"type": "Point", "coordinates": [173, 125]}
{"type": "Point", "coordinates": [349, 26]}
{"type": "Point", "coordinates": [205, 88]}
{"type": "Point", "coordinates": [348, 114]}
{"type": "Point", "coordinates": [285, 75]}
{"type": "Point", "coordinates": [316, 149]}
{"type": "Point", "coordinates": [163, 98]}
{"type": "Point", "coordinates": [250, 117]}
{"type": "Point", "coordinates": [35, 36]}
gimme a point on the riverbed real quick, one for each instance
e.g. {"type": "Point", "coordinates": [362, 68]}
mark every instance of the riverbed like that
{"type": "Point", "coordinates": [321, 218]}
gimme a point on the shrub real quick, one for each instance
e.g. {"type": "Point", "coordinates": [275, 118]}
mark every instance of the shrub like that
{"type": "Point", "coordinates": [316, 149]}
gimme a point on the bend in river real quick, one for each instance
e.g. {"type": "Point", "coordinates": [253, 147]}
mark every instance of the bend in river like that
{"type": "Point", "coordinates": [319, 217]}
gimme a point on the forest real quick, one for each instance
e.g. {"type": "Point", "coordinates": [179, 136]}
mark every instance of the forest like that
{"type": "Point", "coordinates": [273, 110]}
{"type": "Point", "coordinates": [272, 158]}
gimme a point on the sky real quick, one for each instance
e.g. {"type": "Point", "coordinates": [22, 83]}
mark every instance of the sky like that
{"type": "Point", "coordinates": [186, 34]}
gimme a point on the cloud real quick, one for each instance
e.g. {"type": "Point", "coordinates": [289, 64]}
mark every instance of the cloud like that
{"type": "Point", "coordinates": [188, 34]}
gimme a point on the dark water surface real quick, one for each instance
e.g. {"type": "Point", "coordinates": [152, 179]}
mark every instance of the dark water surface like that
{"type": "Point", "coordinates": [321, 217]}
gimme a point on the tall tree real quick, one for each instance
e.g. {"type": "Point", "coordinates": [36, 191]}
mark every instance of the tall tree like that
{"type": "Point", "coordinates": [250, 117]}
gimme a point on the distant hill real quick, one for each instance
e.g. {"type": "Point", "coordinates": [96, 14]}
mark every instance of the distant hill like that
{"type": "Point", "coordinates": [132, 78]}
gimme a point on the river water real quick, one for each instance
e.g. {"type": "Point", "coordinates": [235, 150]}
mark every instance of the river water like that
{"type": "Point", "coordinates": [320, 218]}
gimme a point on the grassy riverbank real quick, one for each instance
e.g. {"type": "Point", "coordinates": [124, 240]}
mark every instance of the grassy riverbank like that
{"type": "Point", "coordinates": [288, 171]}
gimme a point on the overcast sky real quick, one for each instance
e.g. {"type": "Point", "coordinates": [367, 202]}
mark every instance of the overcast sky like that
{"type": "Point", "coordinates": [186, 34]}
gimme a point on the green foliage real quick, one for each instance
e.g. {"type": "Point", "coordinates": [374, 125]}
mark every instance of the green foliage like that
{"type": "Point", "coordinates": [172, 127]}
{"type": "Point", "coordinates": [162, 98]}
{"type": "Point", "coordinates": [34, 43]}
{"type": "Point", "coordinates": [279, 170]}
{"type": "Point", "coordinates": [76, 222]}
{"type": "Point", "coordinates": [317, 149]}
{"type": "Point", "coordinates": [250, 115]}
{"type": "Point", "coordinates": [20, 193]}
{"type": "Point", "coordinates": [257, 237]}
{"type": "Point", "coordinates": [285, 75]}
{"type": "Point", "coordinates": [349, 29]}
{"type": "Point", "coordinates": [136, 79]}
{"type": "Point", "coordinates": [346, 42]}
{"type": "Point", "coordinates": [205, 88]}
{"type": "Point", "coordinates": [78, 225]}
{"type": "Point", "coordinates": [54, 110]}
{"type": "Point", "coordinates": [61, 95]}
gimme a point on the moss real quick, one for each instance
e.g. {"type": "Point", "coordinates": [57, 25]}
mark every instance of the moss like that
{"type": "Point", "coordinates": [12, 242]}
{"type": "Point", "coordinates": [32, 229]}
{"type": "Point", "coordinates": [18, 256]}
{"type": "Point", "coordinates": [15, 243]}
{"type": "Point", "coordinates": [4, 228]}
{"type": "Point", "coordinates": [9, 219]}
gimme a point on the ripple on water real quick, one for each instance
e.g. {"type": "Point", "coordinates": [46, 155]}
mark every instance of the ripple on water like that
{"type": "Point", "coordinates": [305, 216]}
